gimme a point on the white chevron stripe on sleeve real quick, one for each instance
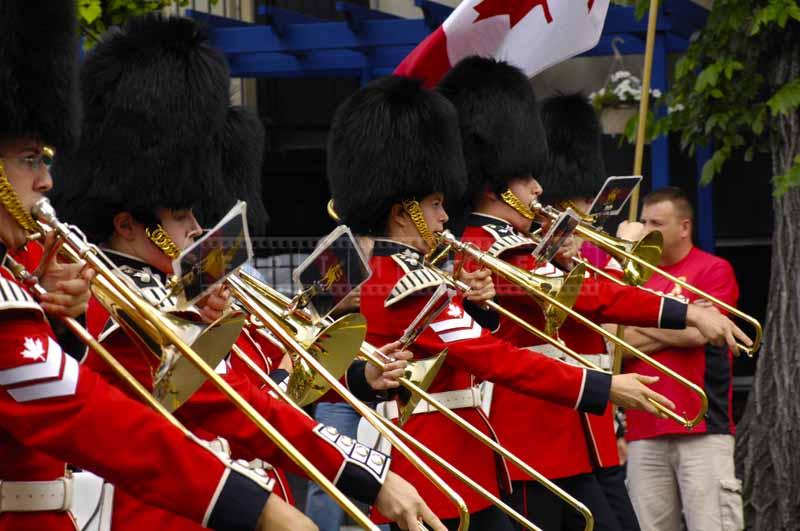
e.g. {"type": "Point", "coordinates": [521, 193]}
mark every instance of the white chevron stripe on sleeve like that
{"type": "Point", "coordinates": [450, 324]}
{"type": "Point", "coordinates": [467, 333]}
{"type": "Point", "coordinates": [64, 386]}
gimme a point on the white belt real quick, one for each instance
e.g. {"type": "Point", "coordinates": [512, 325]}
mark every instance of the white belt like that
{"type": "Point", "coordinates": [463, 398]}
{"type": "Point", "coordinates": [30, 496]}
{"type": "Point", "coordinates": [604, 361]}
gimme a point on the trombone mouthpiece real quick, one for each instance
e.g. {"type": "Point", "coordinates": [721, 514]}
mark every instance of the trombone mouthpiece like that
{"type": "Point", "coordinates": [44, 211]}
{"type": "Point", "coordinates": [447, 237]}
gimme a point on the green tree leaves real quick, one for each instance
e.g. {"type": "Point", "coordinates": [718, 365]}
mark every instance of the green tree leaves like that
{"type": "Point", "coordinates": [96, 16]}
{"type": "Point", "coordinates": [721, 94]}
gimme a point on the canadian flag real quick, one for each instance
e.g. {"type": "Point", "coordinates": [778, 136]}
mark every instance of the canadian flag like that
{"type": "Point", "coordinates": [530, 34]}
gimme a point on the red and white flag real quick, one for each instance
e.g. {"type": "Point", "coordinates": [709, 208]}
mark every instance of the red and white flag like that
{"type": "Point", "coordinates": [530, 34]}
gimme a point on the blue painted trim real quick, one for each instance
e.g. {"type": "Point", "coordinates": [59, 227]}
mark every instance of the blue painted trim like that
{"type": "Point", "coordinates": [296, 38]}
{"type": "Point", "coordinates": [355, 15]}
{"type": "Point", "coordinates": [216, 21]}
{"type": "Point", "coordinates": [434, 13]}
{"type": "Point", "coordinates": [706, 230]}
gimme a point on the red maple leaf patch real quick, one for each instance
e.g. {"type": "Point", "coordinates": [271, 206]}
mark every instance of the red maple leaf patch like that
{"type": "Point", "coordinates": [515, 12]}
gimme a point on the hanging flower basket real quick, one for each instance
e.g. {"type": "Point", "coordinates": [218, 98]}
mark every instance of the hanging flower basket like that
{"type": "Point", "coordinates": [614, 119]}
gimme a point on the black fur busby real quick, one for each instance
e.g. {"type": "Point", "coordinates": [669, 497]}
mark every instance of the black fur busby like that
{"type": "Point", "coordinates": [156, 95]}
{"type": "Point", "coordinates": [575, 168]}
{"type": "Point", "coordinates": [242, 143]}
{"type": "Point", "coordinates": [392, 140]}
{"type": "Point", "coordinates": [38, 71]}
{"type": "Point", "coordinates": [501, 129]}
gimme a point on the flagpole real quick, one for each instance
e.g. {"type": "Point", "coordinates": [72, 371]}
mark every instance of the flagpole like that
{"type": "Point", "coordinates": [644, 103]}
{"type": "Point", "coordinates": [641, 129]}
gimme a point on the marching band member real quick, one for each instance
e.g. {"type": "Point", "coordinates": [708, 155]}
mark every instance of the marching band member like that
{"type": "Point", "coordinates": [575, 173]}
{"type": "Point", "coordinates": [505, 149]}
{"type": "Point", "coordinates": [151, 150]}
{"type": "Point", "coordinates": [394, 152]}
{"type": "Point", "coordinates": [52, 409]}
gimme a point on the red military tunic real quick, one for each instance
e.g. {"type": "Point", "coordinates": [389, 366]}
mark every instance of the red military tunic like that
{"type": "Point", "coordinates": [552, 438]}
{"type": "Point", "coordinates": [52, 410]}
{"type": "Point", "coordinates": [390, 299]}
{"type": "Point", "coordinates": [208, 413]}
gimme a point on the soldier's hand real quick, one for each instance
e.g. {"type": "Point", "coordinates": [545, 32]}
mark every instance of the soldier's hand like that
{"type": "Point", "coordinates": [401, 503]}
{"type": "Point", "coordinates": [280, 516]}
{"type": "Point", "coordinates": [630, 230]}
{"type": "Point", "coordinates": [569, 249]}
{"type": "Point", "coordinates": [389, 376]}
{"type": "Point", "coordinates": [715, 327]}
{"type": "Point", "coordinates": [67, 285]}
{"type": "Point", "coordinates": [630, 392]}
{"type": "Point", "coordinates": [481, 285]}
{"type": "Point", "coordinates": [214, 305]}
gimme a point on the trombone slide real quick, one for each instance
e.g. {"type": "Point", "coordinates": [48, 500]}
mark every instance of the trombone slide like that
{"type": "Point", "coordinates": [92, 255]}
{"type": "Point", "coordinates": [513, 274]}
{"type": "Point", "coordinates": [373, 355]}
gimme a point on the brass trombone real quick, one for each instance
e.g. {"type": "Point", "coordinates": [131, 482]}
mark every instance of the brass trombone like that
{"type": "Point", "coordinates": [648, 249]}
{"type": "Point", "coordinates": [621, 250]}
{"type": "Point", "coordinates": [148, 318]}
{"type": "Point", "coordinates": [400, 433]}
{"type": "Point", "coordinates": [520, 277]}
{"type": "Point", "coordinates": [272, 297]}
{"type": "Point", "coordinates": [86, 338]}
{"type": "Point", "coordinates": [272, 317]}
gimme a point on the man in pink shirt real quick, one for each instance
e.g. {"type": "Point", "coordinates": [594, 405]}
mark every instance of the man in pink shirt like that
{"type": "Point", "coordinates": [673, 473]}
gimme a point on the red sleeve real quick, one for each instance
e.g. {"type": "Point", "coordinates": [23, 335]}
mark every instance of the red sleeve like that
{"type": "Point", "coordinates": [604, 301]}
{"type": "Point", "coordinates": [600, 300]}
{"type": "Point", "coordinates": [50, 403]}
{"type": "Point", "coordinates": [475, 350]}
{"type": "Point", "coordinates": [212, 412]}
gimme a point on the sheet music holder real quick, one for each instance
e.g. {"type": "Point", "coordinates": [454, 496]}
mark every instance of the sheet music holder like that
{"type": "Point", "coordinates": [209, 260]}
{"type": "Point", "coordinates": [335, 268]}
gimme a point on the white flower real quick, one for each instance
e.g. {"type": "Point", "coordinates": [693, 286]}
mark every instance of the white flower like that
{"type": "Point", "coordinates": [656, 93]}
{"type": "Point", "coordinates": [678, 107]}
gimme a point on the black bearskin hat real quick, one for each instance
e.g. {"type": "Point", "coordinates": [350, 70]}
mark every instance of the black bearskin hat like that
{"type": "Point", "coordinates": [501, 130]}
{"type": "Point", "coordinates": [574, 137]}
{"type": "Point", "coordinates": [392, 140]}
{"type": "Point", "coordinates": [38, 71]}
{"type": "Point", "coordinates": [242, 143]}
{"type": "Point", "coordinates": [156, 94]}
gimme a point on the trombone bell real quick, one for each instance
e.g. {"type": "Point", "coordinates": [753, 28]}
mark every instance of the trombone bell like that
{"type": "Point", "coordinates": [421, 373]}
{"type": "Point", "coordinates": [334, 347]}
{"type": "Point", "coordinates": [565, 290]}
{"type": "Point", "coordinates": [176, 378]}
{"type": "Point", "coordinates": [648, 249]}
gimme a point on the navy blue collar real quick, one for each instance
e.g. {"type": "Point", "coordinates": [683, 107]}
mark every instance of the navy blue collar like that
{"type": "Point", "coordinates": [390, 247]}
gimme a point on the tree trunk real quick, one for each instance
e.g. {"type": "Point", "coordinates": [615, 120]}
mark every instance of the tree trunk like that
{"type": "Point", "coordinates": [768, 440]}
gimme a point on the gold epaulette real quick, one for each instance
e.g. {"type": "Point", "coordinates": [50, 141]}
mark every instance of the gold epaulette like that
{"type": "Point", "coordinates": [417, 277]}
{"type": "Point", "coordinates": [505, 238]}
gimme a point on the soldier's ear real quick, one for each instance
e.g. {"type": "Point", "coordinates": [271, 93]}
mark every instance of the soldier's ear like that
{"type": "Point", "coordinates": [398, 216]}
{"type": "Point", "coordinates": [124, 225]}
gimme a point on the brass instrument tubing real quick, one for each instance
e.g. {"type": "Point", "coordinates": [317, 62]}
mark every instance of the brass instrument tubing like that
{"type": "Point", "coordinates": [588, 235]}
{"type": "Point", "coordinates": [373, 355]}
{"type": "Point", "coordinates": [243, 293]}
{"type": "Point", "coordinates": [411, 440]}
{"type": "Point", "coordinates": [368, 351]}
{"type": "Point", "coordinates": [90, 253]}
{"type": "Point", "coordinates": [510, 273]}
